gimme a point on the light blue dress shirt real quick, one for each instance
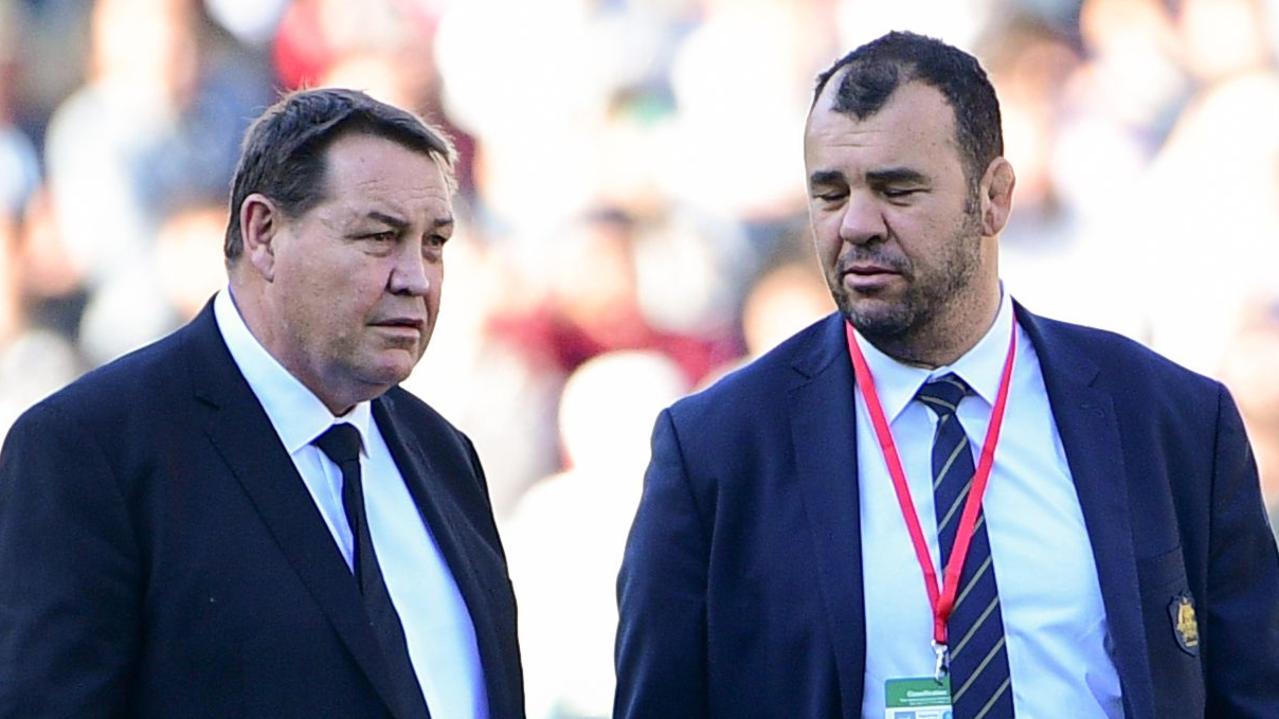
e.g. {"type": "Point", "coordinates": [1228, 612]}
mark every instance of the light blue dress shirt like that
{"type": "Point", "coordinates": [1049, 594]}
{"type": "Point", "coordinates": [437, 624]}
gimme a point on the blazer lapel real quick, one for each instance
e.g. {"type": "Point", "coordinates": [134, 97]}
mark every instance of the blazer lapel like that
{"type": "Point", "coordinates": [825, 443]}
{"type": "Point", "coordinates": [241, 432]}
{"type": "Point", "coordinates": [460, 544]}
{"type": "Point", "coordinates": [1089, 429]}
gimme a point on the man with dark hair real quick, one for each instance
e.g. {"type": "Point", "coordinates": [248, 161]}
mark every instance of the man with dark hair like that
{"type": "Point", "coordinates": [934, 502]}
{"type": "Point", "coordinates": [249, 517]}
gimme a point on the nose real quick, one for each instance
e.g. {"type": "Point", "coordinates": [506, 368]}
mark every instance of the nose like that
{"type": "Point", "coordinates": [412, 273]}
{"type": "Point", "coordinates": [863, 221]}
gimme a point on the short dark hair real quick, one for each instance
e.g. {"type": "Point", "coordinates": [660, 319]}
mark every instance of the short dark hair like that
{"type": "Point", "coordinates": [283, 155]}
{"type": "Point", "coordinates": [878, 68]}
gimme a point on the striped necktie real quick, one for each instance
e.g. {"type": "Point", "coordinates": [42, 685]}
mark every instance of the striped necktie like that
{"type": "Point", "coordinates": [979, 679]}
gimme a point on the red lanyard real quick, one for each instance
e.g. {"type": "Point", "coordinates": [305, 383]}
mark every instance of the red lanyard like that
{"type": "Point", "coordinates": [942, 602]}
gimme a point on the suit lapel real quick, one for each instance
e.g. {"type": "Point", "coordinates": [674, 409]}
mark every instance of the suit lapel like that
{"type": "Point", "coordinates": [458, 542]}
{"type": "Point", "coordinates": [241, 432]}
{"type": "Point", "coordinates": [1089, 429]}
{"type": "Point", "coordinates": [825, 443]}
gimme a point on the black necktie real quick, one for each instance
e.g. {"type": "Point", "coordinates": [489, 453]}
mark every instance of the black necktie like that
{"type": "Point", "coordinates": [341, 444]}
{"type": "Point", "coordinates": [979, 680]}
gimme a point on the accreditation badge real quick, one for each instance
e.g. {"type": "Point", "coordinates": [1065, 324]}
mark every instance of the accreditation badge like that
{"type": "Point", "coordinates": [921, 698]}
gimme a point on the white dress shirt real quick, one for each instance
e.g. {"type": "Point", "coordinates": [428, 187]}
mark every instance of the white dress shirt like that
{"type": "Point", "coordinates": [1049, 594]}
{"type": "Point", "coordinates": [437, 624]}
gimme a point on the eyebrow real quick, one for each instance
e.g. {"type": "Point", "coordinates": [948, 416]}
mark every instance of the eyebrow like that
{"type": "Point", "coordinates": [399, 223]}
{"type": "Point", "coordinates": [826, 177]}
{"type": "Point", "coordinates": [391, 220]}
{"type": "Point", "coordinates": [896, 175]}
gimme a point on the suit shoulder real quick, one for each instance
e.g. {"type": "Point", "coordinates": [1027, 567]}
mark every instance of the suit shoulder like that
{"type": "Point", "coordinates": [1117, 351]}
{"type": "Point", "coordinates": [119, 386]}
{"type": "Point", "coordinates": [760, 384]}
{"type": "Point", "coordinates": [1127, 361]}
{"type": "Point", "coordinates": [131, 396]}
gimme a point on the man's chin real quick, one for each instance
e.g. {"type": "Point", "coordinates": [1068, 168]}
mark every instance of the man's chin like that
{"type": "Point", "coordinates": [876, 318]}
{"type": "Point", "coordinates": [391, 368]}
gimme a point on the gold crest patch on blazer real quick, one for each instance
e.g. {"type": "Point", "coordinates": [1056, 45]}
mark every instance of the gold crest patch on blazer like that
{"type": "Point", "coordinates": [1185, 627]}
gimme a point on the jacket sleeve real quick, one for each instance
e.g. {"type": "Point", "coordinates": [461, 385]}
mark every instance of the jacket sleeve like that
{"type": "Point", "coordinates": [661, 637]}
{"type": "Point", "coordinates": [1241, 638]}
{"type": "Point", "coordinates": [69, 603]}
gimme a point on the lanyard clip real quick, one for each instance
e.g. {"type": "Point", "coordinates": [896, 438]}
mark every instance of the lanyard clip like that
{"type": "Point", "coordinates": [943, 662]}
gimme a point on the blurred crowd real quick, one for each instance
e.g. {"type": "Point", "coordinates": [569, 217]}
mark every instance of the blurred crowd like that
{"type": "Point", "coordinates": [632, 195]}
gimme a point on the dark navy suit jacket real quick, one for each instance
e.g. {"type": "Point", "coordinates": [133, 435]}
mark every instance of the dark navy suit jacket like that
{"type": "Point", "coordinates": [741, 589]}
{"type": "Point", "coordinates": [161, 557]}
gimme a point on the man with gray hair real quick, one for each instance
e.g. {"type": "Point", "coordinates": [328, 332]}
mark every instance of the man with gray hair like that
{"type": "Point", "coordinates": [249, 517]}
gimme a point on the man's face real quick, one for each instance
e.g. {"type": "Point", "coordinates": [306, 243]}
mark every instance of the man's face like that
{"type": "Point", "coordinates": [896, 228]}
{"type": "Point", "coordinates": [355, 286]}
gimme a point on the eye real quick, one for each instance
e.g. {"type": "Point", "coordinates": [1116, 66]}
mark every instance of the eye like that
{"type": "Point", "coordinates": [897, 193]}
{"type": "Point", "coordinates": [433, 247]}
{"type": "Point", "coordinates": [830, 195]}
{"type": "Point", "coordinates": [383, 236]}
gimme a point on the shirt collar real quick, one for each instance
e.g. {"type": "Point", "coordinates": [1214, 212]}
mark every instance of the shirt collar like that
{"type": "Point", "coordinates": [296, 413]}
{"type": "Point", "coordinates": [981, 367]}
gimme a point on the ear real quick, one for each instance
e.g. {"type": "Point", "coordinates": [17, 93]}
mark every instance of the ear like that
{"type": "Point", "coordinates": [996, 195]}
{"type": "Point", "coordinates": [260, 224]}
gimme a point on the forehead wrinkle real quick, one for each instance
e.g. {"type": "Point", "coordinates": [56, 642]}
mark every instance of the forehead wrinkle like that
{"type": "Point", "coordinates": [394, 208]}
{"type": "Point", "coordinates": [916, 142]}
{"type": "Point", "coordinates": [829, 130]}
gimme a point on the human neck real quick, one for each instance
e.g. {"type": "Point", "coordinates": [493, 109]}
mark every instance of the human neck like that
{"type": "Point", "coordinates": [946, 338]}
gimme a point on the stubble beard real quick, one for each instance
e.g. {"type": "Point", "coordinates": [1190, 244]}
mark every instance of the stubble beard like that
{"type": "Point", "coordinates": [913, 327]}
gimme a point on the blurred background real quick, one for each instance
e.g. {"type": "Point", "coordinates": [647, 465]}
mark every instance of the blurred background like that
{"type": "Point", "coordinates": [632, 196]}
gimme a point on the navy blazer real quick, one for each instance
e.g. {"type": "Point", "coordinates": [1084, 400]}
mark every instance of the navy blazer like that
{"type": "Point", "coordinates": [741, 589]}
{"type": "Point", "coordinates": [161, 557]}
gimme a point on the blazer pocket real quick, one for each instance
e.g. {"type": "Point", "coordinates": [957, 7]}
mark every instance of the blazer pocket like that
{"type": "Point", "coordinates": [1162, 572]}
{"type": "Point", "coordinates": [1169, 612]}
